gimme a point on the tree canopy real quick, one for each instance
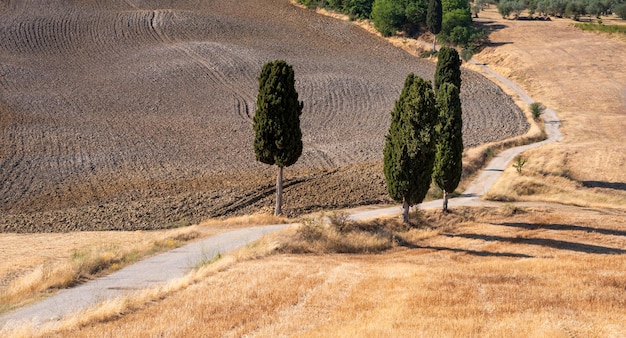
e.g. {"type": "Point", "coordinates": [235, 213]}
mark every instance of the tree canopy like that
{"type": "Point", "coordinates": [409, 151]}
{"type": "Point", "coordinates": [449, 149]}
{"type": "Point", "coordinates": [278, 138]}
{"type": "Point", "coordinates": [276, 123]}
{"type": "Point", "coordinates": [448, 68]}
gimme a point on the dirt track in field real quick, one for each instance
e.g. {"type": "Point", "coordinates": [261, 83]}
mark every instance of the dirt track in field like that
{"type": "Point", "coordinates": [132, 115]}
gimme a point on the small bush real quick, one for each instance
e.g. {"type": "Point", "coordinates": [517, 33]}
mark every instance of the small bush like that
{"type": "Point", "coordinates": [310, 231]}
{"type": "Point", "coordinates": [427, 54]}
{"type": "Point", "coordinates": [519, 163]}
{"type": "Point", "coordinates": [340, 221]}
{"type": "Point", "coordinates": [466, 54]}
{"type": "Point", "coordinates": [536, 109]}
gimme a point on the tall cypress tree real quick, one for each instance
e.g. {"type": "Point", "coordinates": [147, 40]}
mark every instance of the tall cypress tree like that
{"type": "Point", "coordinates": [278, 138]}
{"type": "Point", "coordinates": [434, 19]}
{"type": "Point", "coordinates": [409, 151]}
{"type": "Point", "coordinates": [448, 68]}
{"type": "Point", "coordinates": [449, 149]}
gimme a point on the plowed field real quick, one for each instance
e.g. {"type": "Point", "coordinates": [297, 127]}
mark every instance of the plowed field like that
{"type": "Point", "coordinates": [137, 114]}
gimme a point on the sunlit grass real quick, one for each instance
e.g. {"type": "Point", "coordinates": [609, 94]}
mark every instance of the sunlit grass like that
{"type": "Point", "coordinates": [499, 272]}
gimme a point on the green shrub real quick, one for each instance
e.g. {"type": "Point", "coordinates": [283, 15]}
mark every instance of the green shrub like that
{"type": "Point", "coordinates": [467, 53]}
{"type": "Point", "coordinates": [536, 109]}
{"type": "Point", "coordinates": [519, 163]}
{"type": "Point", "coordinates": [387, 16]}
{"type": "Point", "coordinates": [620, 10]}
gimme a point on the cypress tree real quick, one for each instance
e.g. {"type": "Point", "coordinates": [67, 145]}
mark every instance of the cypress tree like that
{"type": "Point", "coordinates": [276, 123]}
{"type": "Point", "coordinates": [448, 68]}
{"type": "Point", "coordinates": [434, 19]}
{"type": "Point", "coordinates": [409, 151]}
{"type": "Point", "coordinates": [449, 149]}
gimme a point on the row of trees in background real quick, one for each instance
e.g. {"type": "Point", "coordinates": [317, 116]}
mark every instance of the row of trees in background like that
{"type": "Point", "coordinates": [560, 8]}
{"type": "Point", "coordinates": [424, 143]}
{"type": "Point", "coordinates": [410, 17]}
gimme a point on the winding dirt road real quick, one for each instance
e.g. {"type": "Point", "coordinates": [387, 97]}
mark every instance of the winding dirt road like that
{"type": "Point", "coordinates": [169, 266]}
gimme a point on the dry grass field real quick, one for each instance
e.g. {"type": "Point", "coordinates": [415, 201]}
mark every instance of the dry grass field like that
{"type": "Point", "coordinates": [126, 115]}
{"type": "Point", "coordinates": [38, 265]}
{"type": "Point", "coordinates": [529, 270]}
{"type": "Point", "coordinates": [549, 271]}
{"type": "Point", "coordinates": [581, 76]}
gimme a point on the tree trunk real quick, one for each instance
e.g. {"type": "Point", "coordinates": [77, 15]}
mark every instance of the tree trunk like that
{"type": "Point", "coordinates": [279, 192]}
{"type": "Point", "coordinates": [405, 210]}
{"type": "Point", "coordinates": [445, 201]}
{"type": "Point", "coordinates": [434, 43]}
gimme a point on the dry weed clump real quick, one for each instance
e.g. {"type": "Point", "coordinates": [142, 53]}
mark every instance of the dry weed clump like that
{"type": "Point", "coordinates": [338, 234]}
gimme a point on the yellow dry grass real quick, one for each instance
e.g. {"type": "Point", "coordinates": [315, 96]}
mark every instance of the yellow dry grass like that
{"type": "Point", "coordinates": [580, 75]}
{"type": "Point", "coordinates": [536, 272]}
{"type": "Point", "coordinates": [530, 272]}
{"type": "Point", "coordinates": [36, 264]}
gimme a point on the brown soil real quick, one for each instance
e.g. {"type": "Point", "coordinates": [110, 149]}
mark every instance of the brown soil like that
{"type": "Point", "coordinates": [137, 115]}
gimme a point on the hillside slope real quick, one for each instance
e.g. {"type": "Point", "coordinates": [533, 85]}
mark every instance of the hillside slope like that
{"type": "Point", "coordinates": [137, 115]}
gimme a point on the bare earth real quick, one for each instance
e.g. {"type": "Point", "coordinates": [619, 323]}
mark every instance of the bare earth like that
{"type": "Point", "coordinates": [127, 115]}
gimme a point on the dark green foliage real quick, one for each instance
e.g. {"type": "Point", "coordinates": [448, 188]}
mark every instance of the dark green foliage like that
{"type": "Point", "coordinates": [387, 16]}
{"type": "Point", "coordinates": [620, 10]}
{"type": "Point", "coordinates": [575, 10]}
{"type": "Point", "coordinates": [415, 16]}
{"type": "Point", "coordinates": [536, 109]}
{"type": "Point", "coordinates": [358, 8]}
{"type": "Point", "coordinates": [505, 8]}
{"type": "Point", "coordinates": [449, 150]}
{"type": "Point", "coordinates": [448, 68]}
{"type": "Point", "coordinates": [390, 16]}
{"type": "Point", "coordinates": [455, 18]}
{"type": "Point", "coordinates": [450, 5]}
{"type": "Point", "coordinates": [457, 29]}
{"type": "Point", "coordinates": [434, 16]}
{"type": "Point", "coordinates": [278, 138]}
{"type": "Point", "coordinates": [409, 151]}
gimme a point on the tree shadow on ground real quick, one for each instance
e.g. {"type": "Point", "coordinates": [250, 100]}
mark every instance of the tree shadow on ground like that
{"type": "Point", "coordinates": [552, 243]}
{"type": "Point", "coordinates": [488, 27]}
{"type": "Point", "coordinates": [566, 227]}
{"type": "Point", "coordinates": [457, 250]}
{"type": "Point", "coordinates": [605, 185]}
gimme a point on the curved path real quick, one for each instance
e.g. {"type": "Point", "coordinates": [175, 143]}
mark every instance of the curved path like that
{"type": "Point", "coordinates": [154, 271]}
{"type": "Point", "coordinates": [168, 266]}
